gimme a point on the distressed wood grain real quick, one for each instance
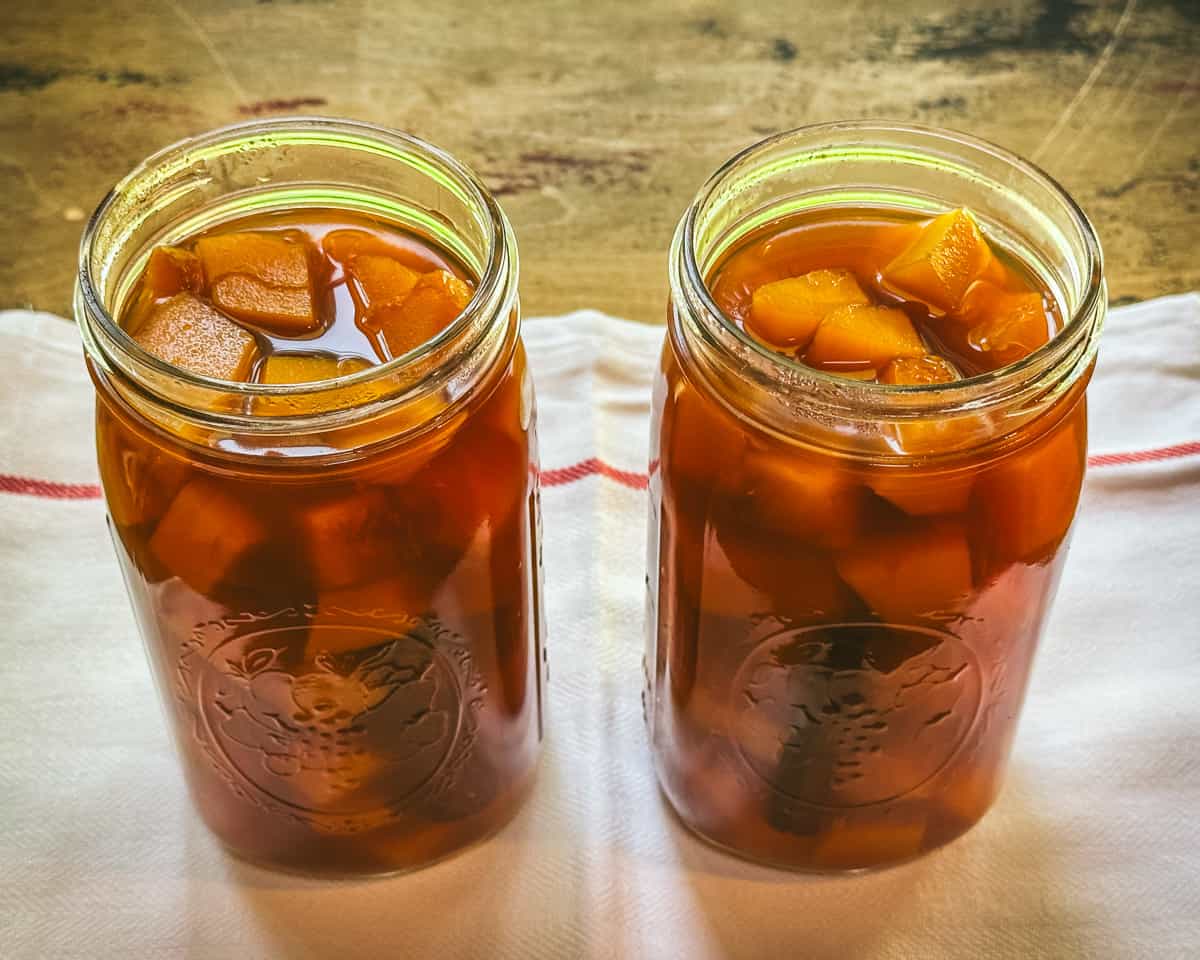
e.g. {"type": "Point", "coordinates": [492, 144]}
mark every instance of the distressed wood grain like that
{"type": "Point", "coordinates": [595, 122]}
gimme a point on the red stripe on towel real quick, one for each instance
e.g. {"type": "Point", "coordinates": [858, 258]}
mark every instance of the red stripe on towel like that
{"type": "Point", "coordinates": [593, 466]}
{"type": "Point", "coordinates": [559, 476]}
{"type": "Point", "coordinates": [1145, 456]}
{"type": "Point", "coordinates": [48, 489]}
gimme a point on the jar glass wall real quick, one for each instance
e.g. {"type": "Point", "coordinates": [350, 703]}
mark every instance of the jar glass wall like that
{"type": "Point", "coordinates": [337, 582]}
{"type": "Point", "coordinates": [841, 626]}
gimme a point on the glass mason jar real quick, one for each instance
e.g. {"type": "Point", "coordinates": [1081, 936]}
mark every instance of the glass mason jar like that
{"type": "Point", "coordinates": [338, 592]}
{"type": "Point", "coordinates": [794, 719]}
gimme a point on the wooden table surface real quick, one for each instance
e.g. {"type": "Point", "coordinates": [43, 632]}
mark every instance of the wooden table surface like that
{"type": "Point", "coordinates": [595, 122]}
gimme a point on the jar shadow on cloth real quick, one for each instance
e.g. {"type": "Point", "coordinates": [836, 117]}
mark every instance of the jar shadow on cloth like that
{"type": "Point", "coordinates": [450, 909]}
{"type": "Point", "coordinates": [1000, 890]}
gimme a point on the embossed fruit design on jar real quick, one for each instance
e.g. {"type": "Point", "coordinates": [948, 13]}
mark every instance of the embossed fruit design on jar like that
{"type": "Point", "coordinates": [868, 443]}
{"type": "Point", "coordinates": [316, 437]}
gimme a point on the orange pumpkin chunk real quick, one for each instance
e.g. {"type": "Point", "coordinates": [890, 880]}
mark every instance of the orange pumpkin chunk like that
{"type": "Point", "coordinates": [350, 539]}
{"type": "Point", "coordinates": [172, 270]}
{"type": "Point", "coordinates": [1004, 326]}
{"type": "Point", "coordinates": [948, 255]}
{"type": "Point", "coordinates": [786, 313]}
{"type": "Point", "coordinates": [911, 574]}
{"type": "Point", "coordinates": [205, 532]}
{"type": "Point", "coordinates": [345, 245]}
{"type": "Point", "coordinates": [269, 258]}
{"type": "Point", "coordinates": [916, 493]}
{"type": "Point", "coordinates": [286, 311]}
{"type": "Point", "coordinates": [887, 241]}
{"type": "Point", "coordinates": [803, 497]}
{"type": "Point", "coordinates": [261, 278]}
{"type": "Point", "coordinates": [919, 371]}
{"type": "Point", "coordinates": [863, 336]}
{"type": "Point", "coordinates": [286, 368]}
{"type": "Point", "coordinates": [382, 280]}
{"type": "Point", "coordinates": [1027, 501]}
{"type": "Point", "coordinates": [190, 334]}
{"type": "Point", "coordinates": [742, 575]}
{"type": "Point", "coordinates": [921, 493]}
{"type": "Point", "coordinates": [307, 368]}
{"type": "Point", "coordinates": [434, 303]}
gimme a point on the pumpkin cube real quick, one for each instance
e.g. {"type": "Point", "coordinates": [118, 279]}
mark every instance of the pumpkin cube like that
{"type": "Point", "coordinates": [948, 255]}
{"type": "Point", "coordinates": [912, 574]}
{"type": "Point", "coordinates": [715, 790]}
{"type": "Point", "coordinates": [484, 595]}
{"type": "Point", "coordinates": [270, 258]}
{"type": "Point", "coordinates": [886, 241]}
{"type": "Point", "coordinates": [408, 457]}
{"type": "Point", "coordinates": [916, 491]}
{"type": "Point", "coordinates": [381, 280]}
{"type": "Point", "coordinates": [349, 539]}
{"type": "Point", "coordinates": [786, 313]}
{"type": "Point", "coordinates": [803, 497]}
{"type": "Point", "coordinates": [743, 576]}
{"type": "Point", "coordinates": [262, 279]}
{"type": "Point", "coordinates": [473, 588]}
{"type": "Point", "coordinates": [285, 311]}
{"type": "Point", "coordinates": [311, 368]}
{"type": "Point", "coordinates": [869, 375]}
{"type": "Point", "coordinates": [434, 303]}
{"type": "Point", "coordinates": [863, 336]}
{"type": "Point", "coordinates": [173, 270]}
{"type": "Point", "coordinates": [191, 335]}
{"type": "Point", "coordinates": [929, 370]}
{"type": "Point", "coordinates": [205, 532]}
{"type": "Point", "coordinates": [1026, 501]}
{"type": "Point", "coordinates": [345, 246]}
{"type": "Point", "coordinates": [919, 371]}
{"type": "Point", "coordinates": [1004, 327]}
{"type": "Point", "coordinates": [395, 595]}
{"type": "Point", "coordinates": [307, 368]}
{"type": "Point", "coordinates": [923, 493]}
{"type": "Point", "coordinates": [148, 481]}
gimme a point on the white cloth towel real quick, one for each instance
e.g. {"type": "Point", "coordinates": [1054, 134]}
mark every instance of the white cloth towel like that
{"type": "Point", "coordinates": [1093, 849]}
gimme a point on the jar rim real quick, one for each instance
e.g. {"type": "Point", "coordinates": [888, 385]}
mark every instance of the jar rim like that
{"type": "Point", "coordinates": [495, 289]}
{"type": "Point", "coordinates": [866, 397]}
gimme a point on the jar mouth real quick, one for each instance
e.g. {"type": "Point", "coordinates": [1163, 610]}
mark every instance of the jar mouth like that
{"type": "Point", "coordinates": [175, 167]}
{"type": "Point", "coordinates": [926, 145]}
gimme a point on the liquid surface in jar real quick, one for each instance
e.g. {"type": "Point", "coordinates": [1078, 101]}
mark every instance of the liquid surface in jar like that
{"type": "Point", "coordinates": [295, 297]}
{"type": "Point", "coordinates": [891, 300]}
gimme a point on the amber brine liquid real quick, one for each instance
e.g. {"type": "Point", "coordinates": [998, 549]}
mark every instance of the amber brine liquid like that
{"type": "Point", "coordinates": [348, 649]}
{"type": "Point", "coordinates": [838, 648]}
